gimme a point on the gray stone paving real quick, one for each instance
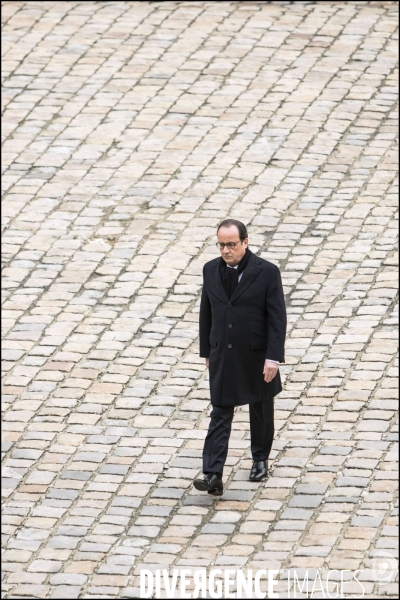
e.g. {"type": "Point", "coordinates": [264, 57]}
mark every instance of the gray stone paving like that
{"type": "Point", "coordinates": [131, 129]}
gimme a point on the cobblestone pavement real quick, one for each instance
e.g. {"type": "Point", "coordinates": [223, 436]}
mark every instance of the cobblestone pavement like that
{"type": "Point", "coordinates": [131, 129]}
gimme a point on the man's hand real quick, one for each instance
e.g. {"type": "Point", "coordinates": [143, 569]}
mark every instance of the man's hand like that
{"type": "Point", "coordinates": [270, 370]}
{"type": "Point", "coordinates": [207, 362]}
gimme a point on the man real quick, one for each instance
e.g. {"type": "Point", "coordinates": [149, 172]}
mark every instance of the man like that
{"type": "Point", "coordinates": [242, 337]}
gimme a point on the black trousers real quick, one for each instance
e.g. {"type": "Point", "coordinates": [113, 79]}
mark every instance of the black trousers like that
{"type": "Point", "coordinates": [216, 443]}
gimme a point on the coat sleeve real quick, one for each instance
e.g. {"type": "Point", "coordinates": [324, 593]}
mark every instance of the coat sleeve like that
{"type": "Point", "coordinates": [205, 322]}
{"type": "Point", "coordinates": [276, 317]}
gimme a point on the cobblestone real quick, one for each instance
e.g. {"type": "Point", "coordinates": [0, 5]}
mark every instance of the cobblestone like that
{"type": "Point", "coordinates": [130, 129]}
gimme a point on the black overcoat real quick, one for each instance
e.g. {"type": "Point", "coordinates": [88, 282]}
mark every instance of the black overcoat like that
{"type": "Point", "coordinates": [240, 333]}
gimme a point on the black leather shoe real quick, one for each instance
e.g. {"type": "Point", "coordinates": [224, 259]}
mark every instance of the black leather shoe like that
{"type": "Point", "coordinates": [259, 470]}
{"type": "Point", "coordinates": [211, 484]}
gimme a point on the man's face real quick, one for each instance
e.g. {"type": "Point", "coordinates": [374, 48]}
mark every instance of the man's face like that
{"type": "Point", "coordinates": [232, 256]}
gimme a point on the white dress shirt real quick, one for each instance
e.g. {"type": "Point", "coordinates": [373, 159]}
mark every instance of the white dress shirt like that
{"type": "Point", "coordinates": [239, 278]}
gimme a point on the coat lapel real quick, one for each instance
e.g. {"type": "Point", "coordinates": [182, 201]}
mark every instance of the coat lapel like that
{"type": "Point", "coordinates": [249, 274]}
{"type": "Point", "coordinates": [219, 286]}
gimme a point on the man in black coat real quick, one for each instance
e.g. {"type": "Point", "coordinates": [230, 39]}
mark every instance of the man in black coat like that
{"type": "Point", "coordinates": [242, 338]}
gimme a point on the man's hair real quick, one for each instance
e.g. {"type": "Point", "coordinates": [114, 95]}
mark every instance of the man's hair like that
{"type": "Point", "coordinates": [240, 226]}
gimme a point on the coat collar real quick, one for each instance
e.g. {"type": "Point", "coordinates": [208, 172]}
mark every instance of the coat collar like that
{"type": "Point", "coordinates": [249, 274]}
